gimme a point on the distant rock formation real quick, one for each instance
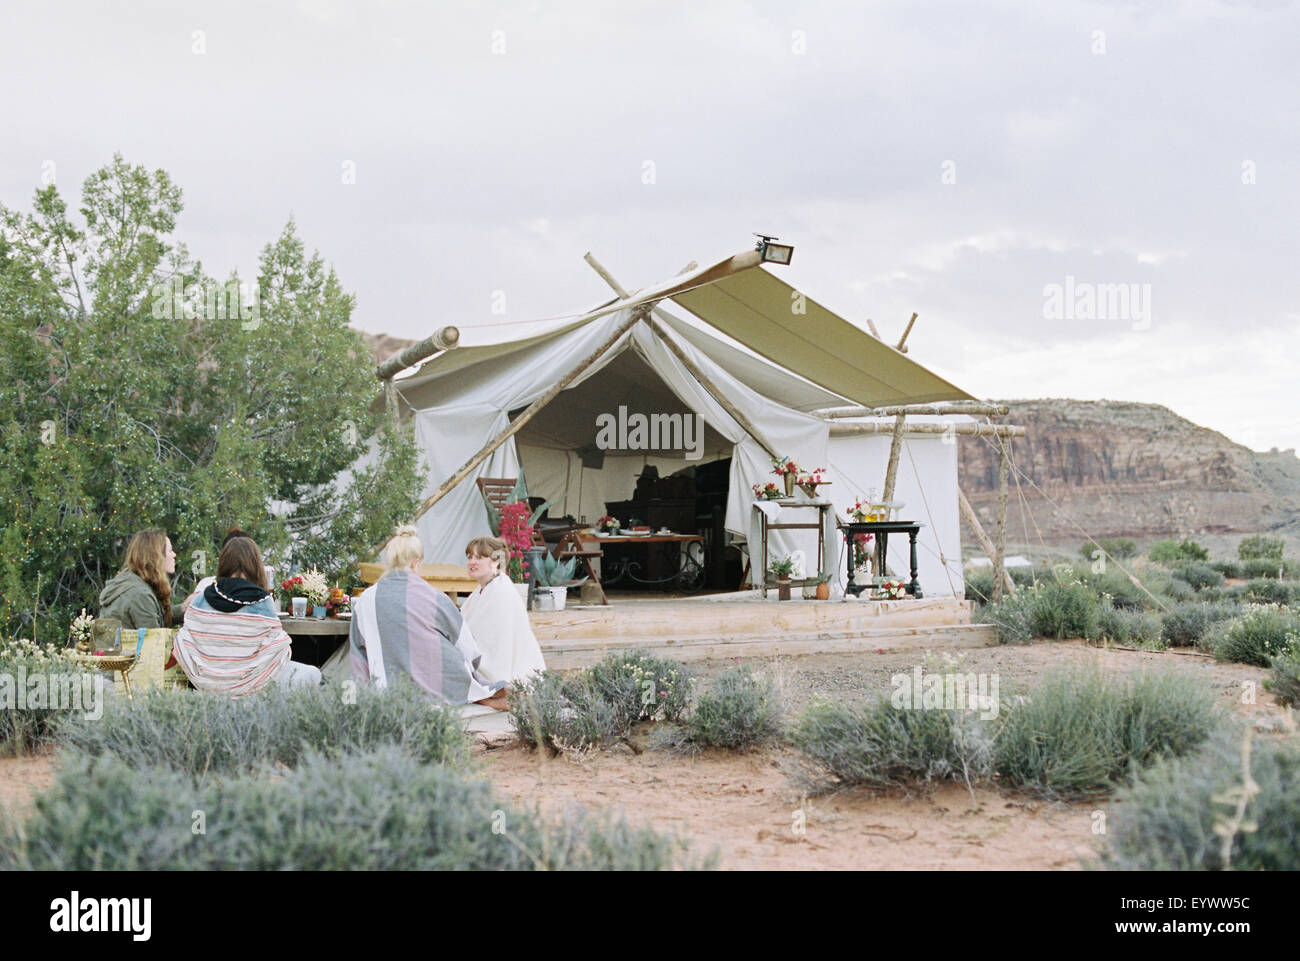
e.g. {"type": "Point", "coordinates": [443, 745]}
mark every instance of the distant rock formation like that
{"type": "Point", "coordinates": [1126, 469]}
{"type": "Point", "coordinates": [383, 346]}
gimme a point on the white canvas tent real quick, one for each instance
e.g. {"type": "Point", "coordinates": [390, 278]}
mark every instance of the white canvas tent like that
{"type": "Point", "coordinates": [762, 355]}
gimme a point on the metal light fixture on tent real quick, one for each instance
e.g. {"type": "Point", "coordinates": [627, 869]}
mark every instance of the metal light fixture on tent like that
{"type": "Point", "coordinates": [773, 253]}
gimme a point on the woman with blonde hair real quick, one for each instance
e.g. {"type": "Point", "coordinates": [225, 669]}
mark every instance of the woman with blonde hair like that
{"type": "Point", "coordinates": [496, 614]}
{"type": "Point", "coordinates": [140, 594]}
{"type": "Point", "coordinates": [232, 641]}
{"type": "Point", "coordinates": [401, 625]}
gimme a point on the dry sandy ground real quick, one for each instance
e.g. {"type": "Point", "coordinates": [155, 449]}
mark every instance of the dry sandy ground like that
{"type": "Point", "coordinates": [747, 809]}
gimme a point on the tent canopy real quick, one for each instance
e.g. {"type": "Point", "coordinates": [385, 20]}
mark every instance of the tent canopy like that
{"type": "Point", "coordinates": [791, 329]}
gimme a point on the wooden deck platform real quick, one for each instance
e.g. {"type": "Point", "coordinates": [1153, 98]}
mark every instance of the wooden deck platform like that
{"type": "Point", "coordinates": [700, 628]}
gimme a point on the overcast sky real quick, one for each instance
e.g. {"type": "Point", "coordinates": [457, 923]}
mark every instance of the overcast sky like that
{"type": "Point", "coordinates": [954, 159]}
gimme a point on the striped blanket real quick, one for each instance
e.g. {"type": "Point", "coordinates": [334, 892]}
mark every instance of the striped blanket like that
{"type": "Point", "coordinates": [231, 652]}
{"type": "Point", "coordinates": [402, 625]}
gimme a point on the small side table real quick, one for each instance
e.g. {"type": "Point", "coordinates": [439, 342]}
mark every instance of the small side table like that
{"type": "Point", "coordinates": [881, 530]}
{"type": "Point", "coordinates": [825, 517]}
{"type": "Point", "coordinates": [122, 663]}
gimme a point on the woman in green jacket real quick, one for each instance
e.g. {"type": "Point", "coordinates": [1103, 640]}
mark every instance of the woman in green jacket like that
{"type": "Point", "coordinates": [140, 595]}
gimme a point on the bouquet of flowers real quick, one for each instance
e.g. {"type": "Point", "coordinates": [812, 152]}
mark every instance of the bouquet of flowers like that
{"type": "Point", "coordinates": [784, 465]}
{"type": "Point", "coordinates": [79, 632]}
{"type": "Point", "coordinates": [608, 523]}
{"type": "Point", "coordinates": [314, 587]}
{"type": "Point", "coordinates": [894, 590]}
{"type": "Point", "coordinates": [861, 549]}
{"type": "Point", "coordinates": [865, 510]}
{"type": "Point", "coordinates": [518, 535]}
{"type": "Point", "coordinates": [768, 491]}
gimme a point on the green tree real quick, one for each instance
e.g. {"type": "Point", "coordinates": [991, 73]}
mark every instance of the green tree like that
{"type": "Point", "coordinates": [1170, 552]}
{"type": "Point", "coordinates": [137, 391]}
{"type": "Point", "coordinates": [1259, 547]}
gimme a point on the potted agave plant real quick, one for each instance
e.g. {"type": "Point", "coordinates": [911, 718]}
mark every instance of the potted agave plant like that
{"type": "Point", "coordinates": [554, 578]}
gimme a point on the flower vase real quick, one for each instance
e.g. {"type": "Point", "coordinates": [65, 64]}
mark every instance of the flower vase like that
{"type": "Point", "coordinates": [783, 586]}
{"type": "Point", "coordinates": [789, 484]}
{"type": "Point", "coordinates": [823, 591]}
{"type": "Point", "coordinates": [318, 610]}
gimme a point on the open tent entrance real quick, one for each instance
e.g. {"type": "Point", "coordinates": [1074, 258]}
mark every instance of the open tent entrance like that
{"type": "Point", "coordinates": [622, 442]}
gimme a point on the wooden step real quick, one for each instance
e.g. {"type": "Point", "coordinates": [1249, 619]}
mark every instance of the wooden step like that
{"type": "Point", "coordinates": [745, 618]}
{"type": "Point", "coordinates": [581, 652]}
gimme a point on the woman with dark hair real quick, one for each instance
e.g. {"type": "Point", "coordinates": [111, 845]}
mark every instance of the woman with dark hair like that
{"type": "Point", "coordinates": [140, 595]}
{"type": "Point", "coordinates": [232, 641]}
{"type": "Point", "coordinates": [203, 584]}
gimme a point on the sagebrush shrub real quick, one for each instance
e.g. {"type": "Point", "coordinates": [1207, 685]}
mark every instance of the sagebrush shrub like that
{"type": "Point", "coordinates": [1171, 817]}
{"type": "Point", "coordinates": [1125, 626]}
{"type": "Point", "coordinates": [28, 722]}
{"type": "Point", "coordinates": [599, 705]}
{"type": "Point", "coordinates": [642, 686]}
{"type": "Point", "coordinates": [1284, 681]}
{"type": "Point", "coordinates": [1227, 568]}
{"type": "Point", "coordinates": [1186, 624]}
{"type": "Point", "coordinates": [379, 811]}
{"type": "Point", "coordinates": [1261, 590]}
{"type": "Point", "coordinates": [565, 714]}
{"type": "Point", "coordinates": [1198, 574]}
{"type": "Point", "coordinates": [979, 585]}
{"type": "Point", "coordinates": [200, 733]}
{"type": "Point", "coordinates": [740, 711]}
{"type": "Point", "coordinates": [1076, 733]}
{"type": "Point", "coordinates": [1263, 567]}
{"type": "Point", "coordinates": [1255, 636]}
{"type": "Point", "coordinates": [884, 746]}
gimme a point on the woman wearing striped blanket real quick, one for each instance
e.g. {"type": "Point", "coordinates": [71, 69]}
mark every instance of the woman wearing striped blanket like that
{"type": "Point", "coordinates": [401, 625]}
{"type": "Point", "coordinates": [232, 641]}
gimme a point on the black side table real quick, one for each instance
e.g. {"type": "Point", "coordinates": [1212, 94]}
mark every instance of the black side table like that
{"type": "Point", "coordinates": [881, 530]}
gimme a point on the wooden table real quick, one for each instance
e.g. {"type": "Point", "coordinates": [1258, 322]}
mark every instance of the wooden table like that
{"type": "Point", "coordinates": [689, 575]}
{"type": "Point", "coordinates": [881, 530]}
{"type": "Point", "coordinates": [315, 639]}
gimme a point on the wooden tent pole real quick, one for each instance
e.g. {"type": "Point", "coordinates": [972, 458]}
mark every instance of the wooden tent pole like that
{"type": "Point", "coordinates": [514, 426]}
{"type": "Point", "coordinates": [971, 518]}
{"type": "Point", "coordinates": [999, 560]}
{"type": "Point", "coordinates": [965, 430]}
{"type": "Point", "coordinates": [895, 448]}
{"type": "Point", "coordinates": [705, 381]}
{"type": "Point", "coordinates": [992, 410]}
{"type": "Point", "coordinates": [902, 341]}
{"type": "Point", "coordinates": [444, 338]}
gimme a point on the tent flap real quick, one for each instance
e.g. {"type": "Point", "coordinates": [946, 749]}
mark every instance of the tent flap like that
{"type": "Point", "coordinates": [791, 329]}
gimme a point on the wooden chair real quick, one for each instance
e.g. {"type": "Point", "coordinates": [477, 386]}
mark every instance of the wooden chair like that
{"type": "Point", "coordinates": [572, 546]}
{"type": "Point", "coordinates": [497, 489]}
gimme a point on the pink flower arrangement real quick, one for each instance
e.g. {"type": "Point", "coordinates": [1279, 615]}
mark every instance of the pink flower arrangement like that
{"type": "Point", "coordinates": [518, 535]}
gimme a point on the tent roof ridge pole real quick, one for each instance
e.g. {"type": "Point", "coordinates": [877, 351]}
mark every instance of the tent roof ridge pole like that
{"type": "Point", "coordinates": [514, 426]}
{"type": "Point", "coordinates": [675, 349]}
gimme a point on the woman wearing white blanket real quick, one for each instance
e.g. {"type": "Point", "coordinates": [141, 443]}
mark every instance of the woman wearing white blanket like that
{"type": "Point", "coordinates": [496, 614]}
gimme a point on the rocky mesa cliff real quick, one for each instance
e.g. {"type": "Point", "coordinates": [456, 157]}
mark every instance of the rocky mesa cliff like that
{"type": "Point", "coordinates": [1115, 468]}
